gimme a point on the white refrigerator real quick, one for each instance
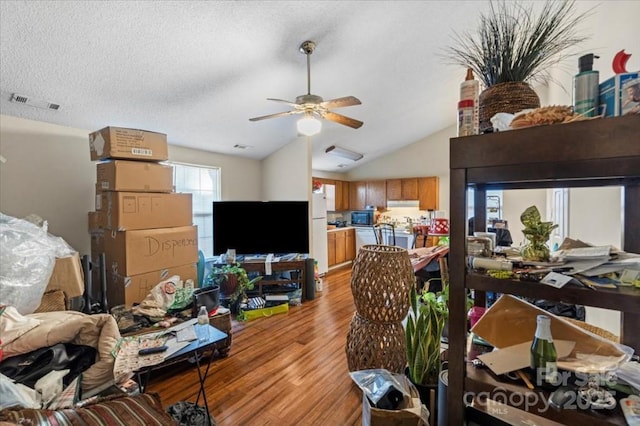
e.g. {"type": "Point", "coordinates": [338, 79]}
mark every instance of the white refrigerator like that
{"type": "Point", "coordinates": [319, 217]}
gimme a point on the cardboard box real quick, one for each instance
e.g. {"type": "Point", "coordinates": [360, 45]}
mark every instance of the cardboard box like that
{"type": "Point", "coordinates": [145, 250]}
{"type": "Point", "coordinates": [96, 220]}
{"type": "Point", "coordinates": [67, 276]}
{"type": "Point", "coordinates": [134, 144]}
{"type": "Point", "coordinates": [620, 95]}
{"type": "Point", "coordinates": [127, 290]}
{"type": "Point", "coordinates": [143, 210]}
{"type": "Point", "coordinates": [136, 176]}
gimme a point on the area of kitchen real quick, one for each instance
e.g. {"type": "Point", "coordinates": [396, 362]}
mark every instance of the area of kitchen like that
{"type": "Point", "coordinates": [349, 223]}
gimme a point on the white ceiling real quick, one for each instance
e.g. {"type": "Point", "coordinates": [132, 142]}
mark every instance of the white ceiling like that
{"type": "Point", "coordinates": [198, 70]}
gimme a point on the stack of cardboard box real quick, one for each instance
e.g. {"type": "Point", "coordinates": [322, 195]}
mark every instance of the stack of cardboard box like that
{"type": "Point", "coordinates": [144, 228]}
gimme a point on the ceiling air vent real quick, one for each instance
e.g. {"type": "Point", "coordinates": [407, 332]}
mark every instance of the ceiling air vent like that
{"type": "Point", "coordinates": [19, 99]}
{"type": "Point", "coordinates": [37, 103]}
{"type": "Point", "coordinates": [238, 146]}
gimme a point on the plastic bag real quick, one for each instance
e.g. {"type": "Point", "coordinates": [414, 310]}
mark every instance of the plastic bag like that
{"type": "Point", "coordinates": [27, 257]}
{"type": "Point", "coordinates": [382, 389]}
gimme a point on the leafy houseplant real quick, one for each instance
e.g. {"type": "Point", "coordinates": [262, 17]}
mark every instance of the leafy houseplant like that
{"type": "Point", "coordinates": [425, 326]}
{"type": "Point", "coordinates": [513, 45]}
{"type": "Point", "coordinates": [538, 233]}
{"type": "Point", "coordinates": [233, 281]}
{"type": "Point", "coordinates": [423, 333]}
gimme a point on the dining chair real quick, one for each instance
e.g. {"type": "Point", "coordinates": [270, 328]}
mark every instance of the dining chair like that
{"type": "Point", "coordinates": [385, 234]}
{"type": "Point", "coordinates": [420, 236]}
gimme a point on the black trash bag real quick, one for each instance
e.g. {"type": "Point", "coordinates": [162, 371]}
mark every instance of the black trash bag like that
{"type": "Point", "coordinates": [28, 368]}
{"type": "Point", "coordinates": [190, 414]}
{"type": "Point", "coordinates": [561, 309]}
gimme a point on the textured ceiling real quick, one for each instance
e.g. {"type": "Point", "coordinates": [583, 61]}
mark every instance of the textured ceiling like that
{"type": "Point", "coordinates": [198, 71]}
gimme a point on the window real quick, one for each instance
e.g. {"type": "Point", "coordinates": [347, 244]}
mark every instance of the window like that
{"type": "Point", "coordinates": [204, 183]}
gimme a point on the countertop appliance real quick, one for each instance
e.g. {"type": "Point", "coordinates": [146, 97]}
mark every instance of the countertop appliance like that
{"type": "Point", "coordinates": [362, 217]}
{"type": "Point", "coordinates": [319, 219]}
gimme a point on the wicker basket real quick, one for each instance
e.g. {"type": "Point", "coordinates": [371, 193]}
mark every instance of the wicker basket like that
{"type": "Point", "coordinates": [380, 282]}
{"type": "Point", "coordinates": [375, 345]}
{"type": "Point", "coordinates": [508, 97]}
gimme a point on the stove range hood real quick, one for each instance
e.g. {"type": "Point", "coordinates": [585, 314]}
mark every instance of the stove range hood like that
{"type": "Point", "coordinates": [402, 203]}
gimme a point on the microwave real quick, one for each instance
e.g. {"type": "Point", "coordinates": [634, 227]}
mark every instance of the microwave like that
{"type": "Point", "coordinates": [362, 217]}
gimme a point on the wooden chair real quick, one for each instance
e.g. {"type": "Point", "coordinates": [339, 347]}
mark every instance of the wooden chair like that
{"type": "Point", "coordinates": [420, 236]}
{"type": "Point", "coordinates": [385, 234]}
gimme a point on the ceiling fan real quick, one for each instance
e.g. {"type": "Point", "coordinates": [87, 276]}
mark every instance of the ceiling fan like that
{"type": "Point", "coordinates": [313, 105]}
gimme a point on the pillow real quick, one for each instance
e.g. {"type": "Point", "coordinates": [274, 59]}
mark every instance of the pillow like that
{"type": "Point", "coordinates": [138, 410]}
{"type": "Point", "coordinates": [13, 324]}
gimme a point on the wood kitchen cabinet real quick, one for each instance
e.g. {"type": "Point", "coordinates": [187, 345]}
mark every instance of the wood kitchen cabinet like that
{"type": "Point", "coordinates": [402, 189]}
{"type": "Point", "coordinates": [428, 192]}
{"type": "Point", "coordinates": [357, 195]}
{"type": "Point", "coordinates": [341, 246]}
{"type": "Point", "coordinates": [351, 244]}
{"type": "Point", "coordinates": [377, 193]}
{"type": "Point", "coordinates": [342, 195]}
{"type": "Point", "coordinates": [331, 248]}
{"type": "Point", "coordinates": [367, 193]}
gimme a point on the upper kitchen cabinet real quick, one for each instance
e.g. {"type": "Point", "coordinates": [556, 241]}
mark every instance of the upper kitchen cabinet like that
{"type": "Point", "coordinates": [342, 195]}
{"type": "Point", "coordinates": [367, 193]}
{"type": "Point", "coordinates": [428, 193]}
{"type": "Point", "coordinates": [377, 193]}
{"type": "Point", "coordinates": [357, 195]}
{"type": "Point", "coordinates": [402, 189]}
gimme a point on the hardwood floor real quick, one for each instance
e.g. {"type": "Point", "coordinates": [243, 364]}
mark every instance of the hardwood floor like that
{"type": "Point", "coordinates": [288, 369]}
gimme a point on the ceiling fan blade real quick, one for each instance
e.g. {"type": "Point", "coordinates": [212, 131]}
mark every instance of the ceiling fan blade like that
{"type": "Point", "coordinates": [338, 118]}
{"type": "Point", "coordinates": [279, 114]}
{"type": "Point", "coordinates": [293, 104]}
{"type": "Point", "coordinates": [341, 102]}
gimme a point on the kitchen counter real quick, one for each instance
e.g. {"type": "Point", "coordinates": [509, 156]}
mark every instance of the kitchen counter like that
{"type": "Point", "coordinates": [344, 228]}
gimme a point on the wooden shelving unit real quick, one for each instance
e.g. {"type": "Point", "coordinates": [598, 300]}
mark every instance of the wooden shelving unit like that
{"type": "Point", "coordinates": [601, 152]}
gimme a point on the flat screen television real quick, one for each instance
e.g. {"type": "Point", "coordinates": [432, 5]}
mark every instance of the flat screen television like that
{"type": "Point", "coordinates": [261, 227]}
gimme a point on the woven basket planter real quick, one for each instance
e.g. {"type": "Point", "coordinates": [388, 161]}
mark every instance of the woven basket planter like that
{"type": "Point", "coordinates": [508, 97]}
{"type": "Point", "coordinates": [380, 282]}
{"type": "Point", "coordinates": [375, 345]}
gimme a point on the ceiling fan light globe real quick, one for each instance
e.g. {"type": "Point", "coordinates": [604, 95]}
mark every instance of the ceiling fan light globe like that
{"type": "Point", "coordinates": [309, 126]}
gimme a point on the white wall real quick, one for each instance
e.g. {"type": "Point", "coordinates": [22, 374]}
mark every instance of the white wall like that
{"type": "Point", "coordinates": [286, 174]}
{"type": "Point", "coordinates": [240, 177]}
{"type": "Point", "coordinates": [48, 172]}
{"type": "Point", "coordinates": [426, 157]}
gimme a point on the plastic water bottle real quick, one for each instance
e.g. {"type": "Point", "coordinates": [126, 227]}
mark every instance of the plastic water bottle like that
{"type": "Point", "coordinates": [203, 324]}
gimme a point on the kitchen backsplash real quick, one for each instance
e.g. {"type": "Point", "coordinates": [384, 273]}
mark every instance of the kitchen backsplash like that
{"type": "Point", "coordinates": [395, 214]}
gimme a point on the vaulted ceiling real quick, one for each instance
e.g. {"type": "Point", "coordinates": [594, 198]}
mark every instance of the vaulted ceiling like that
{"type": "Point", "coordinates": [198, 70]}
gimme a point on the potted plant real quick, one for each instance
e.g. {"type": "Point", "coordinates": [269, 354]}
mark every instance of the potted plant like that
{"type": "Point", "coordinates": [234, 283]}
{"type": "Point", "coordinates": [512, 47]}
{"type": "Point", "coordinates": [537, 233]}
{"type": "Point", "coordinates": [426, 324]}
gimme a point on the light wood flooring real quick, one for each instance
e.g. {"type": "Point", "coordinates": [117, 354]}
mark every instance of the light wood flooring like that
{"type": "Point", "coordinates": [288, 369]}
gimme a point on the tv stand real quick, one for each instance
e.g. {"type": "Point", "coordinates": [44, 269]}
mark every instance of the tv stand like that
{"type": "Point", "coordinates": [298, 269]}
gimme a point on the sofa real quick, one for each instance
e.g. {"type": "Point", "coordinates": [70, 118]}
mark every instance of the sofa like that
{"type": "Point", "coordinates": [137, 410]}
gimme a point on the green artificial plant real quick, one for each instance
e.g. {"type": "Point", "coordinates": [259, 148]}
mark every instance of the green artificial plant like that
{"type": "Point", "coordinates": [537, 233]}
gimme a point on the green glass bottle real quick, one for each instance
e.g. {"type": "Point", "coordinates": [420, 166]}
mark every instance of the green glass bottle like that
{"type": "Point", "coordinates": [543, 354]}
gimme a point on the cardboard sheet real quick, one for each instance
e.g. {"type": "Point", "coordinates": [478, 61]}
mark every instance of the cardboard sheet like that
{"type": "Point", "coordinates": [516, 357]}
{"type": "Point", "coordinates": [511, 321]}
